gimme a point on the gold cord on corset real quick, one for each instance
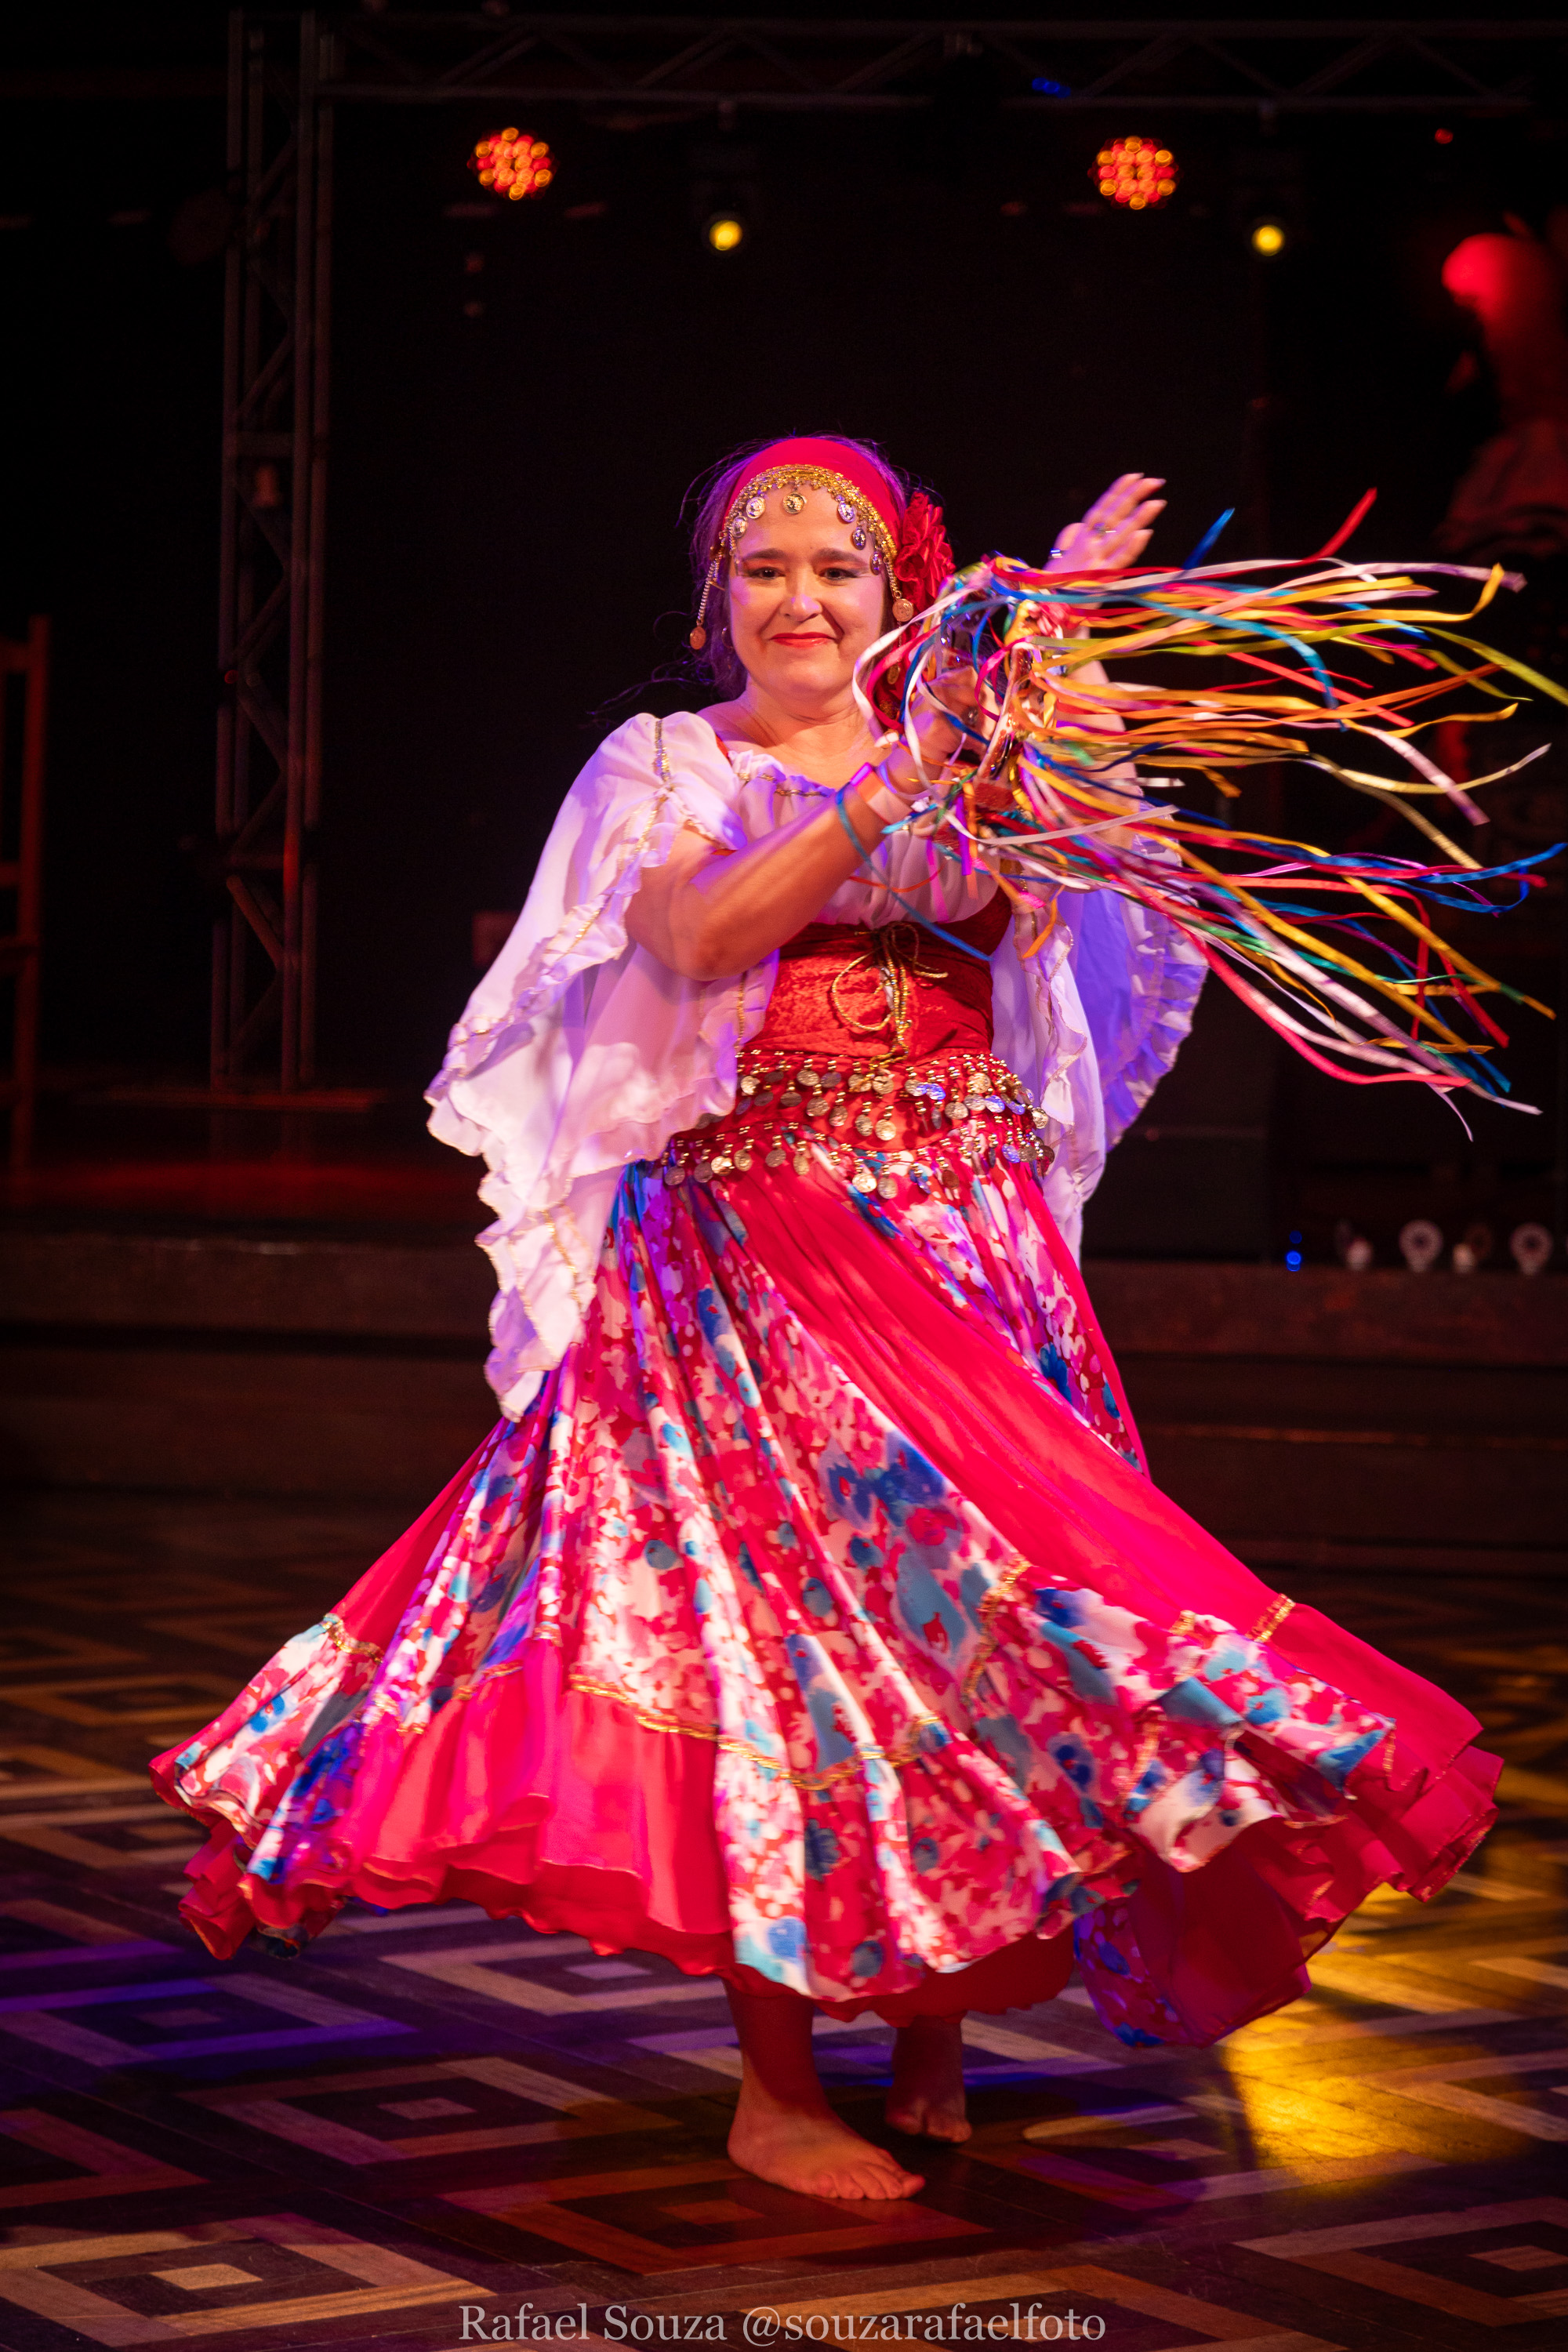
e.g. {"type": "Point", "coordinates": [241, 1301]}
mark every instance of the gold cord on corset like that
{"type": "Point", "coordinates": [893, 952]}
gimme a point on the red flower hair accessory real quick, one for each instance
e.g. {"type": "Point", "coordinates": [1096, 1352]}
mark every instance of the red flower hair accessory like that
{"type": "Point", "coordinates": [923, 563]}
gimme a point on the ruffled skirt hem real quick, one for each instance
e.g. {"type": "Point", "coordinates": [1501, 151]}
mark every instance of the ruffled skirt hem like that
{"type": "Point", "coordinates": [986, 1626]}
{"type": "Point", "coordinates": [607, 1909]}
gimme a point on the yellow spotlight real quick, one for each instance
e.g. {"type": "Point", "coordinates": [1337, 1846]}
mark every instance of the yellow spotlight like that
{"type": "Point", "coordinates": [725, 232]}
{"type": "Point", "coordinates": [1268, 239]}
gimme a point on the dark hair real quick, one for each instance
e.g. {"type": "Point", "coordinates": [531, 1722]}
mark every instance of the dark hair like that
{"type": "Point", "coordinates": [718, 660]}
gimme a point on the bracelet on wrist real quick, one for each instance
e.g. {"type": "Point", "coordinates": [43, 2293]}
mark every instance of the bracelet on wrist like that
{"type": "Point", "coordinates": [889, 806]}
{"type": "Point", "coordinates": [873, 774]}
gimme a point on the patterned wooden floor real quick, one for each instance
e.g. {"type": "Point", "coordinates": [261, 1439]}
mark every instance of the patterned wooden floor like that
{"type": "Point", "coordinates": [431, 2111]}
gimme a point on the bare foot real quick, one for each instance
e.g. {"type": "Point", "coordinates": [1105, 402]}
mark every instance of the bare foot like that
{"type": "Point", "coordinates": [926, 2097]}
{"type": "Point", "coordinates": [811, 2151]}
{"type": "Point", "coordinates": [784, 2131]}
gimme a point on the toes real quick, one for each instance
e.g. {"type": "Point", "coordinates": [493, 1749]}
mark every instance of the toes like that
{"type": "Point", "coordinates": [867, 2181]}
{"type": "Point", "coordinates": [883, 2178]}
{"type": "Point", "coordinates": [922, 2122]}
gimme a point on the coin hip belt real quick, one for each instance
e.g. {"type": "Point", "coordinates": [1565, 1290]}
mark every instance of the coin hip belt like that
{"type": "Point", "coordinates": [932, 1125]}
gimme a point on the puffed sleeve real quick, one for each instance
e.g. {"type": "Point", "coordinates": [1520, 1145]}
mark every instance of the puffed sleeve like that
{"type": "Point", "coordinates": [579, 1052]}
{"type": "Point", "coordinates": [1091, 1004]}
{"type": "Point", "coordinates": [1138, 980]}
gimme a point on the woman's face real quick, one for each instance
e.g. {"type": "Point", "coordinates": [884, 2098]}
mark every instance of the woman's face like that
{"type": "Point", "coordinates": [804, 602]}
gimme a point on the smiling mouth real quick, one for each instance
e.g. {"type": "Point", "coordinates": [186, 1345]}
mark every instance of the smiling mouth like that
{"type": "Point", "coordinates": [802, 637]}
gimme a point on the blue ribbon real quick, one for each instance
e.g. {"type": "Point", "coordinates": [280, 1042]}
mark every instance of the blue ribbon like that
{"type": "Point", "coordinates": [1208, 539]}
{"type": "Point", "coordinates": [913, 912]}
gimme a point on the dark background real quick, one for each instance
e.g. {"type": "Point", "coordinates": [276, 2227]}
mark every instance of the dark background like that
{"type": "Point", "coordinates": [519, 406]}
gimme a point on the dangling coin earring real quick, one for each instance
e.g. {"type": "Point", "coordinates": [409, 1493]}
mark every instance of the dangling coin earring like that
{"type": "Point", "coordinates": [902, 610]}
{"type": "Point", "coordinates": [699, 636]}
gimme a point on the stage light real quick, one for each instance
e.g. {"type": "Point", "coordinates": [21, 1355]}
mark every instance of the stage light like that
{"type": "Point", "coordinates": [724, 232]}
{"type": "Point", "coordinates": [1267, 238]}
{"type": "Point", "coordinates": [1136, 173]}
{"type": "Point", "coordinates": [1444, 138]}
{"type": "Point", "coordinates": [513, 163]}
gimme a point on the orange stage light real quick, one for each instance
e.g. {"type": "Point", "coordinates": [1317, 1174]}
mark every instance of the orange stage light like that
{"type": "Point", "coordinates": [513, 163]}
{"type": "Point", "coordinates": [1137, 174]}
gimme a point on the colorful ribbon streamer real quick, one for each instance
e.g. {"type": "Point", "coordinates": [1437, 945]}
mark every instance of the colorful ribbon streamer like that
{"type": "Point", "coordinates": [1334, 951]}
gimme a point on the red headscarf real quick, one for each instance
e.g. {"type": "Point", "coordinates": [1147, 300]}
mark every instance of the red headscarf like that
{"type": "Point", "coordinates": [919, 557]}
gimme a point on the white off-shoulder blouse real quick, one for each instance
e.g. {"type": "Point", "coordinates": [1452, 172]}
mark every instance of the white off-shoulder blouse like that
{"type": "Point", "coordinates": [579, 1053]}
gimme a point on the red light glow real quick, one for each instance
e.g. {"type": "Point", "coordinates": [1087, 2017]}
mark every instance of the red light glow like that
{"type": "Point", "coordinates": [513, 163]}
{"type": "Point", "coordinates": [1137, 174]}
{"type": "Point", "coordinates": [1444, 138]}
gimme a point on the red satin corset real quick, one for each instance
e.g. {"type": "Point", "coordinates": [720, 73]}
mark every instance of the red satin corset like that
{"type": "Point", "coordinates": [842, 988]}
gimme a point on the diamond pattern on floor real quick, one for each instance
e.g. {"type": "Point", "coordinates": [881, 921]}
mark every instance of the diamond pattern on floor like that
{"type": "Point", "coordinates": [430, 2114]}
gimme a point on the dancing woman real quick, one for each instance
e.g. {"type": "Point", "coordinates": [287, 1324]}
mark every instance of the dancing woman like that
{"type": "Point", "coordinates": [809, 1617]}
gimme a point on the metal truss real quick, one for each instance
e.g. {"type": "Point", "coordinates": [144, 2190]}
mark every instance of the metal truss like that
{"type": "Point", "coordinates": [662, 64]}
{"type": "Point", "coordinates": [286, 76]}
{"type": "Point", "coordinates": [273, 541]}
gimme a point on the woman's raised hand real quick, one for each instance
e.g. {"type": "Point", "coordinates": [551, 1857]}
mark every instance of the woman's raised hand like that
{"type": "Point", "coordinates": [1115, 530]}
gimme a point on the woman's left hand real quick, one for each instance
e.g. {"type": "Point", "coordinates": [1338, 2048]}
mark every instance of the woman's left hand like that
{"type": "Point", "coordinates": [1115, 530]}
{"type": "Point", "coordinates": [952, 695]}
{"type": "Point", "coordinates": [943, 704]}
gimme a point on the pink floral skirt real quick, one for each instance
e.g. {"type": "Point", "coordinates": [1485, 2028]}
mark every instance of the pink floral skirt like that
{"type": "Point", "coordinates": [819, 1626]}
